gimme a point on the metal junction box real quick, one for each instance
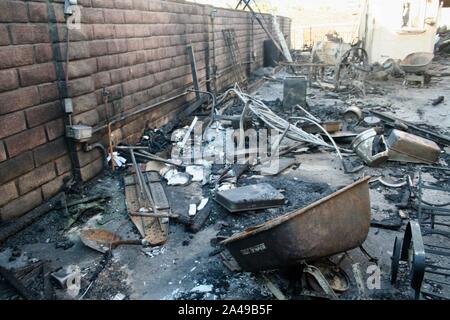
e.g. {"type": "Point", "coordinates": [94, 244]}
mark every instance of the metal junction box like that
{"type": "Point", "coordinates": [79, 132]}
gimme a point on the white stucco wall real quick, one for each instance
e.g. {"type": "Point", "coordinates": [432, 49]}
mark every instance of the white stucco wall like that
{"type": "Point", "coordinates": [385, 37]}
{"type": "Point", "coordinates": [445, 17]}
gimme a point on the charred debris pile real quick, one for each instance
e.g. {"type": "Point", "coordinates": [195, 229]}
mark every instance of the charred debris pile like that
{"type": "Point", "coordinates": [229, 163]}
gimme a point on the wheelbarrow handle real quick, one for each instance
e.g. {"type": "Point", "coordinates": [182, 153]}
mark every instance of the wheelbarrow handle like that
{"type": "Point", "coordinates": [120, 242]}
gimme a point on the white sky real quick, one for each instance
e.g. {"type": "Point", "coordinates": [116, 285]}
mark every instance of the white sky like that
{"type": "Point", "coordinates": [280, 3]}
{"type": "Point", "coordinates": [285, 7]}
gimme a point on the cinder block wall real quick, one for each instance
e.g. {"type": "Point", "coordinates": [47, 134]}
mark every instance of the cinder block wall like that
{"type": "Point", "coordinates": [136, 49]}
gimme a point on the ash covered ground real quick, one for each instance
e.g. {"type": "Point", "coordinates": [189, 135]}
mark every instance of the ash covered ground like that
{"type": "Point", "coordinates": [189, 265]}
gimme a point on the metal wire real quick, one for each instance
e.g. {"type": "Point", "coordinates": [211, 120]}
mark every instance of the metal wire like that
{"type": "Point", "coordinates": [275, 122]}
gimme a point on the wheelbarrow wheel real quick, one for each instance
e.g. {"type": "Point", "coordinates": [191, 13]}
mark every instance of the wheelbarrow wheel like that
{"type": "Point", "coordinates": [337, 278]}
{"type": "Point", "coordinates": [395, 260]}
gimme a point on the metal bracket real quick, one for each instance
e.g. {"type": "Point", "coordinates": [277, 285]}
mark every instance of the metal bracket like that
{"type": "Point", "coordinates": [68, 105]}
{"type": "Point", "coordinates": [414, 253]}
{"type": "Point", "coordinates": [68, 6]}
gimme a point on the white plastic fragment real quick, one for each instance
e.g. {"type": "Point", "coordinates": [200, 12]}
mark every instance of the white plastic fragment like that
{"type": "Point", "coordinates": [119, 296]}
{"type": "Point", "coordinates": [202, 204]}
{"type": "Point", "coordinates": [188, 132]}
{"type": "Point", "coordinates": [210, 296]}
{"type": "Point", "coordinates": [170, 173]}
{"type": "Point", "coordinates": [179, 179]}
{"type": "Point", "coordinates": [192, 209]}
{"type": "Point", "coordinates": [197, 172]}
{"type": "Point", "coordinates": [206, 169]}
{"type": "Point", "coordinates": [152, 252]}
{"type": "Point", "coordinates": [226, 186]}
{"type": "Point", "coordinates": [403, 214]}
{"type": "Point", "coordinates": [155, 166]}
{"type": "Point", "coordinates": [118, 160]}
{"type": "Point", "coordinates": [203, 288]}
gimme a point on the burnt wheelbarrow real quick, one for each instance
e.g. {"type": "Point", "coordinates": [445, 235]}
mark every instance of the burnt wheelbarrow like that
{"type": "Point", "coordinates": [415, 66]}
{"type": "Point", "coordinates": [334, 224]}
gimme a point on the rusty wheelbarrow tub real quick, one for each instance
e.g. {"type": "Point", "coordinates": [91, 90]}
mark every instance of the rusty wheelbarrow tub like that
{"type": "Point", "coordinates": [334, 224]}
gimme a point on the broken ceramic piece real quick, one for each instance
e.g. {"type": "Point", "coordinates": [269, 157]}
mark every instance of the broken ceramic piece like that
{"type": "Point", "coordinates": [179, 179]}
{"type": "Point", "coordinates": [197, 172]}
{"type": "Point", "coordinates": [192, 209]}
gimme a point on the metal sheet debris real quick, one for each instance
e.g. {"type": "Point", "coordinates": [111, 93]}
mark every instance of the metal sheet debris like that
{"type": "Point", "coordinates": [371, 147]}
{"type": "Point", "coordinates": [394, 122]}
{"type": "Point", "coordinates": [326, 118]}
{"type": "Point", "coordinates": [406, 147]}
{"type": "Point", "coordinates": [352, 115]}
{"type": "Point", "coordinates": [251, 197]}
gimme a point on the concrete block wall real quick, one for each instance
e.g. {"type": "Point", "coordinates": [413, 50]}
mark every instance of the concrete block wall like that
{"type": "Point", "coordinates": [33, 152]}
{"type": "Point", "coordinates": [135, 49]}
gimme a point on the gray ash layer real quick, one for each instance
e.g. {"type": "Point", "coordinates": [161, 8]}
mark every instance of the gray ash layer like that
{"type": "Point", "coordinates": [298, 194]}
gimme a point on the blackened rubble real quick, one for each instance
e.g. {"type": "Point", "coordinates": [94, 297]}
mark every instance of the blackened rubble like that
{"type": "Point", "coordinates": [179, 261]}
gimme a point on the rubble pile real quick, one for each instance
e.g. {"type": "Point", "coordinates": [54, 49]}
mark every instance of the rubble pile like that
{"type": "Point", "coordinates": [255, 188]}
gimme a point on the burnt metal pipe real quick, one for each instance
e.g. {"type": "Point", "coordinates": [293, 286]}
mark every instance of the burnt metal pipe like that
{"type": "Point", "coordinates": [115, 120]}
{"type": "Point", "coordinates": [213, 97]}
{"type": "Point", "coordinates": [213, 107]}
{"type": "Point", "coordinates": [90, 147]}
{"type": "Point", "coordinates": [71, 145]}
{"type": "Point", "coordinates": [123, 117]}
{"type": "Point", "coordinates": [105, 101]}
{"type": "Point", "coordinates": [143, 154]}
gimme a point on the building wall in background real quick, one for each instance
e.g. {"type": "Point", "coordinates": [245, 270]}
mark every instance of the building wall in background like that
{"type": "Point", "coordinates": [386, 38]}
{"type": "Point", "coordinates": [445, 17]}
{"type": "Point", "coordinates": [311, 19]}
